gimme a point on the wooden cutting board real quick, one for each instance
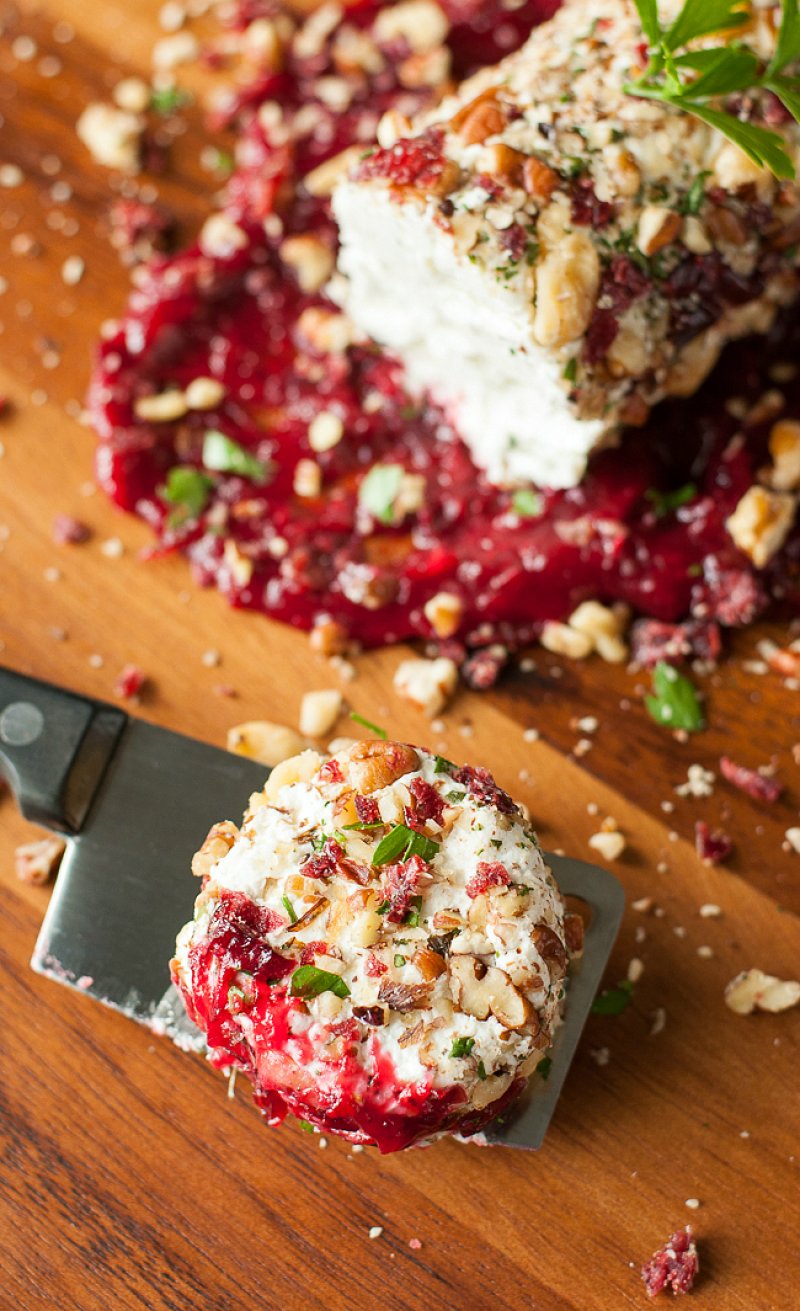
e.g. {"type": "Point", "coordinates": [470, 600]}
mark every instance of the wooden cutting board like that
{"type": "Point", "coordinates": [128, 1179]}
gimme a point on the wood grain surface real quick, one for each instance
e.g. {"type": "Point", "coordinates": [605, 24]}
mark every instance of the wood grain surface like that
{"type": "Point", "coordinates": [127, 1179]}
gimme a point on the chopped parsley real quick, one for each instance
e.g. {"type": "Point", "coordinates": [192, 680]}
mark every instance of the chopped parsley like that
{"type": "Point", "coordinates": [367, 723]}
{"type": "Point", "coordinates": [613, 1001]}
{"type": "Point", "coordinates": [402, 842]}
{"type": "Point", "coordinates": [442, 766]}
{"type": "Point", "coordinates": [168, 100]}
{"type": "Point", "coordinates": [526, 503]}
{"type": "Point", "coordinates": [544, 1067]}
{"type": "Point", "coordinates": [665, 502]}
{"type": "Point", "coordinates": [189, 489]}
{"type": "Point", "coordinates": [462, 1046]}
{"type": "Point", "coordinates": [399, 961]}
{"type": "Point", "coordinates": [674, 702]}
{"type": "Point", "coordinates": [223, 455]}
{"type": "Point", "coordinates": [412, 916]}
{"type": "Point", "coordinates": [379, 490]}
{"type": "Point", "coordinates": [454, 797]}
{"type": "Point", "coordinates": [692, 202]}
{"type": "Point", "coordinates": [571, 369]}
{"type": "Point", "coordinates": [309, 981]}
{"type": "Point", "coordinates": [481, 1070]}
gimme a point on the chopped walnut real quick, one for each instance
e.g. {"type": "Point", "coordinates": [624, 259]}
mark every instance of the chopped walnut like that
{"type": "Point", "coordinates": [754, 990]}
{"type": "Point", "coordinates": [760, 523]}
{"type": "Point", "coordinates": [37, 862]}
{"type": "Point", "coordinates": [429, 684]}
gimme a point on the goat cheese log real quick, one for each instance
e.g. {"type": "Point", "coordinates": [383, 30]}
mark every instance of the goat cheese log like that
{"type": "Point", "coordinates": [381, 947]}
{"type": "Point", "coordinates": [551, 256]}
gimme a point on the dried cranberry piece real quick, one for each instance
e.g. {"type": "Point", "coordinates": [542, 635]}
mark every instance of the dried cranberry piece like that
{"type": "Point", "coordinates": [374, 967]}
{"type": "Point", "coordinates": [401, 882]}
{"type": "Point", "coordinates": [653, 641]}
{"type": "Point", "coordinates": [673, 1266]}
{"type": "Point", "coordinates": [482, 669]}
{"type": "Point", "coordinates": [732, 596]}
{"type": "Point", "coordinates": [410, 162]}
{"type": "Point", "coordinates": [367, 809]}
{"type": "Point", "coordinates": [625, 281]}
{"type": "Point", "coordinates": [514, 240]}
{"type": "Point", "coordinates": [331, 772]}
{"type": "Point", "coordinates": [312, 949]}
{"type": "Point", "coordinates": [69, 531]}
{"type": "Point", "coordinates": [758, 786]}
{"type": "Point", "coordinates": [492, 186]}
{"type": "Point", "coordinates": [712, 845]}
{"type": "Point", "coordinates": [587, 208]}
{"type": "Point", "coordinates": [600, 335]}
{"type": "Point", "coordinates": [139, 229]}
{"type": "Point", "coordinates": [130, 681]}
{"type": "Point", "coordinates": [322, 864]}
{"type": "Point", "coordinates": [426, 802]}
{"type": "Point", "coordinates": [483, 788]}
{"type": "Point", "coordinates": [489, 874]}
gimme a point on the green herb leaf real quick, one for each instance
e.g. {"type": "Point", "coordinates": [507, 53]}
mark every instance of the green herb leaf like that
{"type": "Point", "coordinates": [442, 766]}
{"type": "Point", "coordinates": [700, 18]}
{"type": "Point", "coordinates": [290, 910]}
{"type": "Point", "coordinates": [674, 703]}
{"type": "Point", "coordinates": [787, 50]}
{"type": "Point", "coordinates": [403, 842]}
{"type": "Point", "coordinates": [526, 503]}
{"type": "Point", "coordinates": [168, 100]}
{"type": "Point", "coordinates": [379, 490]}
{"type": "Point", "coordinates": [188, 488]}
{"type": "Point", "coordinates": [695, 197]}
{"type": "Point", "coordinates": [761, 144]}
{"type": "Point", "coordinates": [454, 797]}
{"type": "Point", "coordinates": [648, 15]}
{"type": "Point", "coordinates": [544, 1067]}
{"type": "Point", "coordinates": [665, 502]}
{"type": "Point", "coordinates": [690, 80]}
{"type": "Point", "coordinates": [462, 1046]}
{"type": "Point", "coordinates": [412, 916]}
{"type": "Point", "coordinates": [399, 961]}
{"type": "Point", "coordinates": [226, 456]}
{"type": "Point", "coordinates": [308, 981]}
{"type": "Point", "coordinates": [571, 369]}
{"type": "Point", "coordinates": [613, 1001]}
{"type": "Point", "coordinates": [361, 827]}
{"type": "Point", "coordinates": [384, 906]}
{"type": "Point", "coordinates": [306, 1127]}
{"type": "Point", "coordinates": [367, 723]}
{"type": "Point", "coordinates": [481, 1070]}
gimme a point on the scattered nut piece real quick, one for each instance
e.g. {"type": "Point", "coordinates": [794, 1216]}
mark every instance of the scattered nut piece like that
{"type": "Point", "coordinates": [217, 844]}
{"type": "Point", "coordinates": [608, 845]}
{"type": "Point", "coordinates": [297, 769]}
{"type": "Point", "coordinates": [204, 393]}
{"type": "Point", "coordinates": [325, 431]}
{"type": "Point", "coordinates": [112, 136]}
{"type": "Point", "coordinates": [311, 260]}
{"type": "Point", "coordinates": [220, 237]}
{"type": "Point", "coordinates": [760, 523]}
{"type": "Point", "coordinates": [658, 227]}
{"type": "Point", "coordinates": [784, 447]}
{"type": "Point", "coordinates": [162, 408]}
{"type": "Point", "coordinates": [419, 22]}
{"type": "Point", "coordinates": [319, 712]}
{"type": "Point", "coordinates": [443, 612]}
{"type": "Point", "coordinates": [561, 639]}
{"type": "Point", "coordinates": [37, 862]}
{"type": "Point", "coordinates": [604, 626]}
{"type": "Point", "coordinates": [429, 684]}
{"type": "Point", "coordinates": [268, 743]}
{"type": "Point", "coordinates": [754, 990]}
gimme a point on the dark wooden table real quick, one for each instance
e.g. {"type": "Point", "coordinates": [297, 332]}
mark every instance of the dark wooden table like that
{"type": "Point", "coordinates": [127, 1179]}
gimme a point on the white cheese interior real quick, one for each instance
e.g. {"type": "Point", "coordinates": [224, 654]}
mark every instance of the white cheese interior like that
{"type": "Point", "coordinates": [464, 336]}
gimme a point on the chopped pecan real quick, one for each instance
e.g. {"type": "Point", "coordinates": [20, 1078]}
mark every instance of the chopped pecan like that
{"type": "Point", "coordinates": [405, 997]}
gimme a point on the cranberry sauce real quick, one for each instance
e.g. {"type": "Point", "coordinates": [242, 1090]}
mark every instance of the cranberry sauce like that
{"type": "Point", "coordinates": [284, 526]}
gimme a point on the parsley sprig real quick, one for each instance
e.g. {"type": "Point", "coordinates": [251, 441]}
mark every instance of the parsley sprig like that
{"type": "Point", "coordinates": [696, 80]}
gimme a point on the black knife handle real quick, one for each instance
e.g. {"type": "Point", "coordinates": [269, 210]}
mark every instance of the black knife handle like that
{"type": "Point", "coordinates": [54, 748]}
